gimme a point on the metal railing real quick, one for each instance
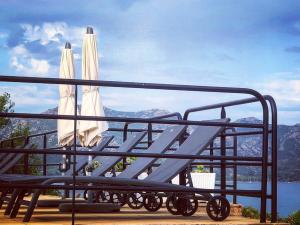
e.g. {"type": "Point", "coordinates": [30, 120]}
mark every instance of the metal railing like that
{"type": "Point", "coordinates": [223, 158]}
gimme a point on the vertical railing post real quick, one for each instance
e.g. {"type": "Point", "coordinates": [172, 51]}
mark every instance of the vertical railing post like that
{"type": "Point", "coordinates": [26, 158]}
{"type": "Point", "coordinates": [264, 167]}
{"type": "Point", "coordinates": [182, 175]}
{"type": "Point", "coordinates": [149, 134]}
{"type": "Point", "coordinates": [44, 155]}
{"type": "Point", "coordinates": [149, 130]}
{"type": "Point", "coordinates": [211, 153]}
{"type": "Point", "coordinates": [12, 146]}
{"type": "Point", "coordinates": [124, 139]}
{"type": "Point", "coordinates": [274, 160]}
{"type": "Point", "coordinates": [223, 153]}
{"type": "Point", "coordinates": [74, 156]}
{"type": "Point", "coordinates": [234, 199]}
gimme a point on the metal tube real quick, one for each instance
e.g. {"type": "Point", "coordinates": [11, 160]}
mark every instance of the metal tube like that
{"type": "Point", "coordinates": [45, 155]}
{"type": "Point", "coordinates": [250, 193]}
{"type": "Point", "coordinates": [120, 84]}
{"type": "Point", "coordinates": [264, 174]}
{"type": "Point", "coordinates": [274, 159]}
{"type": "Point", "coordinates": [234, 199]}
{"type": "Point", "coordinates": [126, 119]}
{"type": "Point", "coordinates": [258, 97]}
{"type": "Point", "coordinates": [223, 153]}
{"type": "Point", "coordinates": [211, 153]}
{"type": "Point", "coordinates": [219, 105]}
{"type": "Point", "coordinates": [74, 156]}
{"type": "Point", "coordinates": [128, 154]}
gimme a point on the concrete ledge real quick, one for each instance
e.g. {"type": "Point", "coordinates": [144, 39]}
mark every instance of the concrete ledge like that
{"type": "Point", "coordinates": [56, 202]}
{"type": "Point", "coordinates": [89, 207]}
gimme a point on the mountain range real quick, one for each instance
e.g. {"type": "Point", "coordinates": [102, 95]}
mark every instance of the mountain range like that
{"type": "Point", "coordinates": [288, 141]}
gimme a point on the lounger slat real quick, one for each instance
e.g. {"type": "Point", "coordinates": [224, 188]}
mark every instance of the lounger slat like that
{"type": "Point", "coordinates": [6, 159]}
{"type": "Point", "coordinates": [160, 145]}
{"type": "Point", "coordinates": [108, 162]}
{"type": "Point", "coordinates": [82, 160]}
{"type": "Point", "coordinates": [13, 158]}
{"type": "Point", "coordinates": [193, 145]}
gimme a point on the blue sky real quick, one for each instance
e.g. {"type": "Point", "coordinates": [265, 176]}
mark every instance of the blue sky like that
{"type": "Point", "coordinates": [253, 44]}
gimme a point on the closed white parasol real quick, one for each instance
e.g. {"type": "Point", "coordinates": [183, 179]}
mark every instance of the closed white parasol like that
{"type": "Point", "coordinates": [65, 128]}
{"type": "Point", "coordinates": [90, 131]}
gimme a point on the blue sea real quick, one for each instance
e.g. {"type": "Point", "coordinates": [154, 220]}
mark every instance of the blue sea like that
{"type": "Point", "coordinates": [288, 196]}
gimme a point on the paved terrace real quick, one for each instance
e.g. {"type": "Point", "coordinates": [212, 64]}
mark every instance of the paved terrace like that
{"type": "Point", "coordinates": [49, 216]}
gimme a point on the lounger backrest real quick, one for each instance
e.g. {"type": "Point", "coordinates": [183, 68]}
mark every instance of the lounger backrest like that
{"type": "Point", "coordinates": [6, 159]}
{"type": "Point", "coordinates": [2, 156]}
{"type": "Point", "coordinates": [160, 145]}
{"type": "Point", "coordinates": [195, 144]}
{"type": "Point", "coordinates": [12, 160]}
{"type": "Point", "coordinates": [108, 162]}
{"type": "Point", "coordinates": [82, 160]}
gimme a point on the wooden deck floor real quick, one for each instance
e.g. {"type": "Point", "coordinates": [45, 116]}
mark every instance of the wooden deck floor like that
{"type": "Point", "coordinates": [45, 216]}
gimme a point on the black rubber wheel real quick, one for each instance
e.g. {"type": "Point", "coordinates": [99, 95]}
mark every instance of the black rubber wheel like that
{"type": "Point", "coordinates": [118, 198]}
{"type": "Point", "coordinates": [171, 205]}
{"type": "Point", "coordinates": [111, 197]}
{"type": "Point", "coordinates": [85, 194]}
{"type": "Point", "coordinates": [152, 202]}
{"type": "Point", "coordinates": [135, 200]}
{"type": "Point", "coordinates": [102, 196]}
{"type": "Point", "coordinates": [187, 206]}
{"type": "Point", "coordinates": [218, 208]}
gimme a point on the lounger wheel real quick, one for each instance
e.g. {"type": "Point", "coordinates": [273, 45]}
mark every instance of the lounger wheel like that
{"type": "Point", "coordinates": [118, 198]}
{"type": "Point", "coordinates": [85, 194]}
{"type": "Point", "coordinates": [152, 202]}
{"type": "Point", "coordinates": [102, 196]}
{"type": "Point", "coordinates": [187, 205]}
{"type": "Point", "coordinates": [135, 200]}
{"type": "Point", "coordinates": [171, 205]}
{"type": "Point", "coordinates": [111, 197]}
{"type": "Point", "coordinates": [218, 208]}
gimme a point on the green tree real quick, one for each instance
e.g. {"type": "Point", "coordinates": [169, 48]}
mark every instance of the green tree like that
{"type": "Point", "coordinates": [6, 106]}
{"type": "Point", "coordinates": [22, 130]}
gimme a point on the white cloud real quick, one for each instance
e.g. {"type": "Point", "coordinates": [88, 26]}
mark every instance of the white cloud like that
{"type": "Point", "coordinates": [55, 32]}
{"type": "Point", "coordinates": [26, 96]}
{"type": "Point", "coordinates": [23, 62]}
{"type": "Point", "coordinates": [26, 61]}
{"type": "Point", "coordinates": [286, 92]}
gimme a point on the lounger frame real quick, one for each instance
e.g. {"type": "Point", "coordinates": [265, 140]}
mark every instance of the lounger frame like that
{"type": "Point", "coordinates": [264, 130]}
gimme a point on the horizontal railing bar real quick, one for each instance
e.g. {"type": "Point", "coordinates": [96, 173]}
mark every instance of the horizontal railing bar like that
{"type": "Point", "coordinates": [219, 105]}
{"type": "Point", "coordinates": [122, 84]}
{"type": "Point", "coordinates": [244, 133]}
{"type": "Point", "coordinates": [227, 185]}
{"type": "Point", "coordinates": [30, 136]}
{"type": "Point", "coordinates": [48, 164]}
{"type": "Point", "coordinates": [228, 163]}
{"type": "Point", "coordinates": [127, 188]}
{"type": "Point", "coordinates": [126, 119]}
{"type": "Point", "coordinates": [129, 154]}
{"type": "Point", "coordinates": [134, 130]}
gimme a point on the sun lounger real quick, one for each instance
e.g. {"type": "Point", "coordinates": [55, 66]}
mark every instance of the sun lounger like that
{"type": "Point", "coordinates": [195, 144]}
{"type": "Point", "coordinates": [165, 140]}
{"type": "Point", "coordinates": [11, 159]}
{"type": "Point", "coordinates": [81, 162]}
{"type": "Point", "coordinates": [128, 145]}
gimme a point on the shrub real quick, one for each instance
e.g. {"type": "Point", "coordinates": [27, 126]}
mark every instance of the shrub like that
{"type": "Point", "coordinates": [250, 212]}
{"type": "Point", "coordinates": [294, 218]}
